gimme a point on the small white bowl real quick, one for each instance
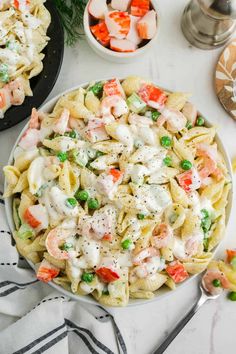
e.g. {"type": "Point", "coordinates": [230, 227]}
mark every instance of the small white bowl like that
{"type": "Point", "coordinates": [111, 55]}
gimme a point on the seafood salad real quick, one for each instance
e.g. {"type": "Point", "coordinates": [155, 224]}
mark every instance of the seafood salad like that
{"type": "Point", "coordinates": [119, 190]}
{"type": "Point", "coordinates": [23, 36]}
{"type": "Point", "coordinates": [122, 25]}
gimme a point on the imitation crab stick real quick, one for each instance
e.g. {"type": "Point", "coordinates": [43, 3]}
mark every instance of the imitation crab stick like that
{"type": "Point", "coordinates": [147, 26]}
{"type": "Point", "coordinates": [36, 216]}
{"type": "Point", "coordinates": [97, 8]}
{"type": "Point", "coordinates": [47, 271]}
{"type": "Point", "coordinates": [113, 87]}
{"type": "Point", "coordinates": [107, 275]}
{"type": "Point", "coordinates": [118, 23]}
{"type": "Point", "coordinates": [101, 33]}
{"type": "Point", "coordinates": [122, 45]}
{"type": "Point", "coordinates": [140, 7]}
{"type": "Point", "coordinates": [177, 271]}
{"type": "Point", "coordinates": [133, 35]}
{"type": "Point", "coordinates": [116, 174]}
{"type": "Point", "coordinates": [152, 95]}
{"type": "Point", "coordinates": [121, 5]}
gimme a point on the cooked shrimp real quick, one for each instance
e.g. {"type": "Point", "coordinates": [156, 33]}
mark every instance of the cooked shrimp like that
{"type": "Point", "coordinates": [29, 139]}
{"type": "Point", "coordinates": [61, 124]}
{"type": "Point", "coordinates": [148, 252]}
{"type": "Point", "coordinates": [210, 276]}
{"type": "Point", "coordinates": [162, 235]}
{"type": "Point", "coordinates": [113, 105]}
{"type": "Point", "coordinates": [16, 90]}
{"type": "Point", "coordinates": [190, 112]}
{"type": "Point", "coordinates": [139, 120]}
{"type": "Point", "coordinates": [209, 154]}
{"type": "Point", "coordinates": [77, 124]}
{"type": "Point", "coordinates": [176, 121]}
{"type": "Point", "coordinates": [191, 246]}
{"type": "Point", "coordinates": [34, 119]}
{"type": "Point", "coordinates": [54, 240]}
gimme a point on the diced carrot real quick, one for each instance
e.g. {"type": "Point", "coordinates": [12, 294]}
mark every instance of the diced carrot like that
{"type": "Point", "coordinates": [230, 255]}
{"type": "Point", "coordinates": [107, 275]}
{"type": "Point", "coordinates": [47, 271]}
{"type": "Point", "coordinates": [140, 7]}
{"type": "Point", "coordinates": [30, 219]}
{"type": "Point", "coordinates": [2, 100]}
{"type": "Point", "coordinates": [177, 271]}
{"type": "Point", "coordinates": [101, 33]}
{"type": "Point", "coordinates": [113, 87]}
{"type": "Point", "coordinates": [116, 174]}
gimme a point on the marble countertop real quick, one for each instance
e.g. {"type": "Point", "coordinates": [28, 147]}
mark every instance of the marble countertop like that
{"type": "Point", "coordinates": [173, 64]}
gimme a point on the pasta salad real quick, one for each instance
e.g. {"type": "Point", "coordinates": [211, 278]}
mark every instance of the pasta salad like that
{"type": "Point", "coordinates": [119, 190]}
{"type": "Point", "coordinates": [24, 24]}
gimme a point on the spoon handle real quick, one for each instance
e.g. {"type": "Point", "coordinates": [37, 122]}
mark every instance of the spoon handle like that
{"type": "Point", "coordinates": [180, 325]}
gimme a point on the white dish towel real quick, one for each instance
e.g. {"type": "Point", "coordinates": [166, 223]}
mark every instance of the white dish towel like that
{"type": "Point", "coordinates": [34, 318]}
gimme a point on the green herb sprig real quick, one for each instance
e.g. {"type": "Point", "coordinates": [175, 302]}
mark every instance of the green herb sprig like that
{"type": "Point", "coordinates": [71, 12]}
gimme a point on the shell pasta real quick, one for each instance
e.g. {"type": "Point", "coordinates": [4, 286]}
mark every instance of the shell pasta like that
{"type": "Point", "coordinates": [23, 29]}
{"type": "Point", "coordinates": [118, 191]}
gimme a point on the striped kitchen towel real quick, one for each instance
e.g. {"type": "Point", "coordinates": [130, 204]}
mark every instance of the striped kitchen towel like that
{"type": "Point", "coordinates": [34, 318]}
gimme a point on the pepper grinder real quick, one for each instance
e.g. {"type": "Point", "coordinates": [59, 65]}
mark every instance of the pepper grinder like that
{"type": "Point", "coordinates": [208, 24]}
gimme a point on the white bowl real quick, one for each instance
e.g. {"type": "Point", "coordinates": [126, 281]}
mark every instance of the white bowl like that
{"type": "Point", "coordinates": [116, 57]}
{"type": "Point", "coordinates": [163, 292]}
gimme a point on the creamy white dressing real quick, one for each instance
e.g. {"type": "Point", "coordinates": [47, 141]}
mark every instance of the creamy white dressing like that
{"type": "Point", "coordinates": [58, 200]}
{"type": "Point", "coordinates": [179, 248]}
{"type": "Point", "coordinates": [154, 197]}
{"type": "Point", "coordinates": [36, 177]}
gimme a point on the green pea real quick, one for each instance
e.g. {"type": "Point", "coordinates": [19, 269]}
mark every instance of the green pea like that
{"type": "Point", "coordinates": [99, 153]}
{"type": "Point", "coordinates": [200, 121]}
{"type": "Point", "coordinates": [206, 224]}
{"type": "Point", "coordinates": [233, 263]}
{"type": "Point", "coordinates": [62, 156]}
{"type": "Point", "coordinates": [126, 244]}
{"type": "Point", "coordinates": [97, 89]}
{"type": "Point", "coordinates": [232, 295]}
{"type": "Point", "coordinates": [167, 161]}
{"type": "Point", "coordinates": [87, 277]}
{"type": "Point", "coordinates": [206, 243]}
{"type": "Point", "coordinates": [93, 203]}
{"type": "Point", "coordinates": [71, 203]}
{"type": "Point", "coordinates": [141, 216]}
{"type": "Point", "coordinates": [4, 74]}
{"type": "Point", "coordinates": [166, 141]}
{"type": "Point", "coordinates": [205, 213]}
{"type": "Point", "coordinates": [186, 165]}
{"type": "Point", "coordinates": [155, 115]}
{"type": "Point", "coordinates": [188, 125]}
{"type": "Point", "coordinates": [72, 134]}
{"type": "Point", "coordinates": [105, 292]}
{"type": "Point", "coordinates": [82, 195]}
{"type": "Point", "coordinates": [216, 283]}
{"type": "Point", "coordinates": [67, 246]}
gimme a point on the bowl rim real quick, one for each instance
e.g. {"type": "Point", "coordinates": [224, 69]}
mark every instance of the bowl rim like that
{"type": "Point", "coordinates": [162, 293]}
{"type": "Point", "coordinates": [111, 52]}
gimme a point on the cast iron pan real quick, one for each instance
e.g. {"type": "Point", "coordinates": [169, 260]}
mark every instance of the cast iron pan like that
{"type": "Point", "coordinates": [42, 84]}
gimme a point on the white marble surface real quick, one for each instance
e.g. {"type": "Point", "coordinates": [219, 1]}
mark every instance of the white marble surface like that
{"type": "Point", "coordinates": [174, 64]}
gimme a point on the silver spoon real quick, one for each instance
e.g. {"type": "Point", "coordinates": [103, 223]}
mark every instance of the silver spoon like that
{"type": "Point", "coordinates": [204, 296]}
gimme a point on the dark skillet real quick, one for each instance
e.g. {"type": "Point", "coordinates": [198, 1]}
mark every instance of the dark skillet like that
{"type": "Point", "coordinates": [42, 84]}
